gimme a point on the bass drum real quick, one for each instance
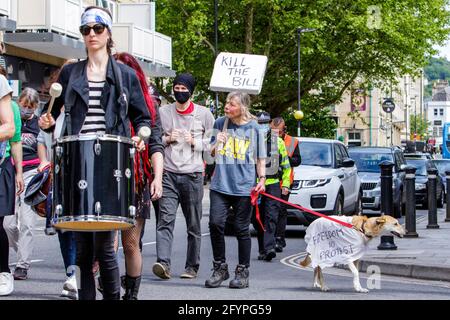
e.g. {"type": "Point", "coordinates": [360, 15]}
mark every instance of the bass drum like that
{"type": "Point", "coordinates": [93, 183]}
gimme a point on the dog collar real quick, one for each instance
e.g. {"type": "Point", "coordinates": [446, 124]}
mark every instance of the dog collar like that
{"type": "Point", "coordinates": [363, 231]}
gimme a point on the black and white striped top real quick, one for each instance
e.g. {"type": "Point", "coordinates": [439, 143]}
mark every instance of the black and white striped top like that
{"type": "Point", "coordinates": [95, 117]}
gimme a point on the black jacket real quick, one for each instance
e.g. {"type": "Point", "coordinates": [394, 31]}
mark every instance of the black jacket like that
{"type": "Point", "coordinates": [117, 115]}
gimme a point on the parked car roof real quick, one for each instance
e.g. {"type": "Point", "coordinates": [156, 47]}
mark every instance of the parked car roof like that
{"type": "Point", "coordinates": [371, 149]}
{"type": "Point", "coordinates": [307, 139]}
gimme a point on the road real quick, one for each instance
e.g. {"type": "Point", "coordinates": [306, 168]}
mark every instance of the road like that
{"type": "Point", "coordinates": [281, 279]}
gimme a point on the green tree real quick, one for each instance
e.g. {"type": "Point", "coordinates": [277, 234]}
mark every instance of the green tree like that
{"type": "Point", "coordinates": [364, 40]}
{"type": "Point", "coordinates": [419, 125]}
{"type": "Point", "coordinates": [437, 69]}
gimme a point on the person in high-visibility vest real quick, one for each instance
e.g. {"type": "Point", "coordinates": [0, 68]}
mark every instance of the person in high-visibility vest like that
{"type": "Point", "coordinates": [293, 152]}
{"type": "Point", "coordinates": [278, 171]}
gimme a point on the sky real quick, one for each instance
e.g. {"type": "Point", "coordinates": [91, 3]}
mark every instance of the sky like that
{"type": "Point", "coordinates": [444, 51]}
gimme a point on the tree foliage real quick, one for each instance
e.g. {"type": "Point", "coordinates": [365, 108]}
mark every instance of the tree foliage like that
{"type": "Point", "coordinates": [419, 125]}
{"type": "Point", "coordinates": [355, 40]}
{"type": "Point", "coordinates": [437, 69]}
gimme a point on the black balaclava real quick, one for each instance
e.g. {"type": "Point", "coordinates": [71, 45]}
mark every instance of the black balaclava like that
{"type": "Point", "coordinates": [188, 81]}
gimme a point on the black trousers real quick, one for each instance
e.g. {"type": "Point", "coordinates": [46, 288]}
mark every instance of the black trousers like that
{"type": "Point", "coordinates": [282, 219]}
{"type": "Point", "coordinates": [268, 209]}
{"type": "Point", "coordinates": [100, 246]}
{"type": "Point", "coordinates": [242, 208]}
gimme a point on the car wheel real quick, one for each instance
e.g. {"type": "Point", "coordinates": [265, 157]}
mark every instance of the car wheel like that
{"type": "Point", "coordinates": [358, 206]}
{"type": "Point", "coordinates": [339, 205]}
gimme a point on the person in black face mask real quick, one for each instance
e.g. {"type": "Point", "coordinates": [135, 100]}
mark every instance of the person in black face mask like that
{"type": "Point", "coordinates": [185, 126]}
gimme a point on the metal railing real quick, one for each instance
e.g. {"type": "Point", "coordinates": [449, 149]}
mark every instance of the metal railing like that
{"type": "Point", "coordinates": [5, 8]}
{"type": "Point", "coordinates": [61, 16]}
{"type": "Point", "coordinates": [143, 43]}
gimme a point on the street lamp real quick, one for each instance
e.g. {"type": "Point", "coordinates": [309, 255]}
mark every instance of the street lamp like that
{"type": "Point", "coordinates": [299, 33]}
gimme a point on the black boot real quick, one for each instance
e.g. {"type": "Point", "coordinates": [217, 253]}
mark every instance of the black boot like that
{"type": "Point", "coordinates": [240, 280]}
{"type": "Point", "coordinates": [131, 288]}
{"type": "Point", "coordinates": [220, 274]}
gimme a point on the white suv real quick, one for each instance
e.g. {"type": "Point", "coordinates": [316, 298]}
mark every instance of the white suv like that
{"type": "Point", "coordinates": [327, 181]}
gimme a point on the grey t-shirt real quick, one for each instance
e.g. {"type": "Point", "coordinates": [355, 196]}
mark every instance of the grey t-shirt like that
{"type": "Point", "coordinates": [235, 171]}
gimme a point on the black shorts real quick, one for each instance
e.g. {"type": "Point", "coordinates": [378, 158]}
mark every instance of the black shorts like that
{"type": "Point", "coordinates": [7, 188]}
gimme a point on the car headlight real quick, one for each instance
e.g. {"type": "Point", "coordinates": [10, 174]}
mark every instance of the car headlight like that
{"type": "Point", "coordinates": [314, 183]}
{"type": "Point", "coordinates": [420, 186]}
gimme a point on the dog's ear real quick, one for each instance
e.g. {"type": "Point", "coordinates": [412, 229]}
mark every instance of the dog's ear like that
{"type": "Point", "coordinates": [380, 220]}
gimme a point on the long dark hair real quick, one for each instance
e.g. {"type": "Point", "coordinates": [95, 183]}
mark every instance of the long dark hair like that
{"type": "Point", "coordinates": [110, 43]}
{"type": "Point", "coordinates": [131, 61]}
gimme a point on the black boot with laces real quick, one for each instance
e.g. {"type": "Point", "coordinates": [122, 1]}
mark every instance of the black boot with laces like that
{"type": "Point", "coordinates": [240, 280]}
{"type": "Point", "coordinates": [220, 274]}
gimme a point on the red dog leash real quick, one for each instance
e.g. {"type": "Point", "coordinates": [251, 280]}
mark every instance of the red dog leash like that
{"type": "Point", "coordinates": [254, 199]}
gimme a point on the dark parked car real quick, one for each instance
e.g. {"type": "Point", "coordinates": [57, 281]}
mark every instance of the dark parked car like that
{"type": "Point", "coordinates": [422, 165]}
{"type": "Point", "coordinates": [367, 161]}
{"type": "Point", "coordinates": [442, 165]}
{"type": "Point", "coordinates": [417, 155]}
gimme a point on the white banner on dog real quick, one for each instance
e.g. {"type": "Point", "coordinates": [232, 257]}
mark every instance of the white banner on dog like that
{"type": "Point", "coordinates": [330, 243]}
{"type": "Point", "coordinates": [238, 72]}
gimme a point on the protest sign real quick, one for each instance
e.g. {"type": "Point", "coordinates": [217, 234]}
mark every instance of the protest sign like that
{"type": "Point", "coordinates": [238, 72]}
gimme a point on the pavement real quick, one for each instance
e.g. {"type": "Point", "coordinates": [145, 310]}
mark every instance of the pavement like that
{"type": "Point", "coordinates": [425, 257]}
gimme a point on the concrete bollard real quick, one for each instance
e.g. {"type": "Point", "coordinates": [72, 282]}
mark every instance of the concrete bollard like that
{"type": "Point", "coordinates": [387, 205]}
{"type": "Point", "coordinates": [410, 215]}
{"type": "Point", "coordinates": [432, 200]}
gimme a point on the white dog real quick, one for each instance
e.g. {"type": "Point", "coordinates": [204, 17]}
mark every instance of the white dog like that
{"type": "Point", "coordinates": [330, 243]}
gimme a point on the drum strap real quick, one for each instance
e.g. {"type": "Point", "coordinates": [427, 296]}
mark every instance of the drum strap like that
{"type": "Point", "coordinates": [69, 99]}
{"type": "Point", "coordinates": [122, 100]}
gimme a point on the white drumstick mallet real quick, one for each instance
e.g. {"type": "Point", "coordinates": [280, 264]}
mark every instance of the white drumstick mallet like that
{"type": "Point", "coordinates": [55, 92]}
{"type": "Point", "coordinates": [144, 133]}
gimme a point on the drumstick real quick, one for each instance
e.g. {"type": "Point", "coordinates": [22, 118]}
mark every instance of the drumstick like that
{"type": "Point", "coordinates": [55, 92]}
{"type": "Point", "coordinates": [144, 133]}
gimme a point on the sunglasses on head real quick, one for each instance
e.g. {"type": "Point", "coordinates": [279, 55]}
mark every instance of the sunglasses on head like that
{"type": "Point", "coordinates": [98, 29]}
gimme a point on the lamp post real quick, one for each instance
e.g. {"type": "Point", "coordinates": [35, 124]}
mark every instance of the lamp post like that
{"type": "Point", "coordinates": [299, 33]}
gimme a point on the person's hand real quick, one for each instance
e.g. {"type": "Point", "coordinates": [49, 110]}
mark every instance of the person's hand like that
{"type": "Point", "coordinates": [261, 186]}
{"type": "Point", "coordinates": [20, 185]}
{"type": "Point", "coordinates": [140, 144]}
{"type": "Point", "coordinates": [156, 189]}
{"type": "Point", "coordinates": [42, 166]}
{"type": "Point", "coordinates": [188, 137]}
{"type": "Point", "coordinates": [285, 191]}
{"type": "Point", "coordinates": [222, 137]}
{"type": "Point", "coordinates": [46, 121]}
{"type": "Point", "coordinates": [175, 135]}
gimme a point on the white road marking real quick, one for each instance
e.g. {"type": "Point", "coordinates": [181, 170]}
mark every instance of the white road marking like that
{"type": "Point", "coordinates": [32, 261]}
{"type": "Point", "coordinates": [290, 261]}
{"type": "Point", "coordinates": [154, 242]}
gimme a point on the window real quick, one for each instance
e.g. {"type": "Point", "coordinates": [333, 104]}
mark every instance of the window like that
{"type": "Point", "coordinates": [438, 122]}
{"type": "Point", "coordinates": [441, 112]}
{"type": "Point", "coordinates": [440, 130]}
{"type": "Point", "coordinates": [354, 139]}
{"type": "Point", "coordinates": [435, 112]}
{"type": "Point", "coordinates": [338, 155]}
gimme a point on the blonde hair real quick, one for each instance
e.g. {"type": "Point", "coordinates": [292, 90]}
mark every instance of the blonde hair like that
{"type": "Point", "coordinates": [245, 102]}
{"type": "Point", "coordinates": [30, 96]}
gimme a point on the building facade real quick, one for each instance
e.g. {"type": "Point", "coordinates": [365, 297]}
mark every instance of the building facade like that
{"type": "Point", "coordinates": [40, 35]}
{"type": "Point", "coordinates": [362, 121]}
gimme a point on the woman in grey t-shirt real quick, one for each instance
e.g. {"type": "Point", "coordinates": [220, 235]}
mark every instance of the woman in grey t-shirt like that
{"type": "Point", "coordinates": [237, 147]}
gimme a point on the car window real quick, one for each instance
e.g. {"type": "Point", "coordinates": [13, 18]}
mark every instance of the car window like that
{"type": "Point", "coordinates": [442, 166]}
{"type": "Point", "coordinates": [344, 151]}
{"type": "Point", "coordinates": [316, 154]}
{"type": "Point", "coordinates": [338, 155]}
{"type": "Point", "coordinates": [369, 161]}
{"type": "Point", "coordinates": [420, 165]}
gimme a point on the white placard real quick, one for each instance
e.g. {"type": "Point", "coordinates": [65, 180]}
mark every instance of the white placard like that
{"type": "Point", "coordinates": [238, 72]}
